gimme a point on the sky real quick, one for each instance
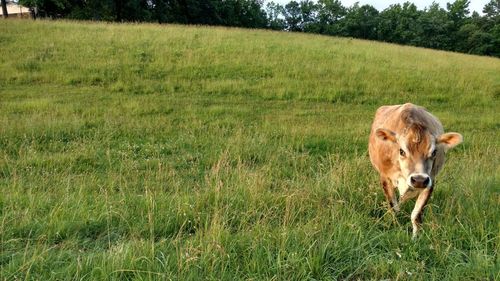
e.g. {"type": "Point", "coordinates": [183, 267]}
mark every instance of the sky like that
{"type": "Point", "coordinates": [475, 5]}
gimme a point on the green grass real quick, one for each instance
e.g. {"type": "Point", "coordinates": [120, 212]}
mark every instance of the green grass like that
{"type": "Point", "coordinates": [147, 152]}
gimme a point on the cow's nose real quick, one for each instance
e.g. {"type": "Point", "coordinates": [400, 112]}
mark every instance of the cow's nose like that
{"type": "Point", "coordinates": [420, 181]}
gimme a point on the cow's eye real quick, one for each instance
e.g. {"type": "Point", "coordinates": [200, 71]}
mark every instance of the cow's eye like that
{"type": "Point", "coordinates": [434, 153]}
{"type": "Point", "coordinates": [402, 152]}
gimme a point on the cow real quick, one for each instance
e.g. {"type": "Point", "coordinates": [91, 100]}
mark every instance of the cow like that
{"type": "Point", "coordinates": [407, 147]}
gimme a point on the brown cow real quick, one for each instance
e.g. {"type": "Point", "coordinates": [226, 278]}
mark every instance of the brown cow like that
{"type": "Point", "coordinates": [407, 146]}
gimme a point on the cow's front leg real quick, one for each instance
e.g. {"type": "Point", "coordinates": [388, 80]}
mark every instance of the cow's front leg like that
{"type": "Point", "coordinates": [416, 214]}
{"type": "Point", "coordinates": [389, 193]}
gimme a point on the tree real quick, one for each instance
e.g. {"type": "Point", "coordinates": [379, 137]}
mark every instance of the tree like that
{"type": "Point", "coordinates": [51, 8]}
{"type": "Point", "coordinates": [458, 11]}
{"type": "Point", "coordinates": [330, 12]}
{"type": "Point", "coordinates": [160, 11]}
{"type": "Point", "coordinates": [495, 33]}
{"type": "Point", "coordinates": [4, 9]}
{"type": "Point", "coordinates": [308, 17]}
{"type": "Point", "coordinates": [434, 28]}
{"type": "Point", "coordinates": [398, 24]}
{"type": "Point", "coordinates": [92, 9]}
{"type": "Point", "coordinates": [388, 24]}
{"type": "Point", "coordinates": [292, 14]}
{"type": "Point", "coordinates": [136, 10]}
{"type": "Point", "coordinates": [492, 10]}
{"type": "Point", "coordinates": [252, 15]}
{"type": "Point", "coordinates": [275, 17]}
{"type": "Point", "coordinates": [474, 40]}
{"type": "Point", "coordinates": [361, 22]}
{"type": "Point", "coordinates": [492, 25]}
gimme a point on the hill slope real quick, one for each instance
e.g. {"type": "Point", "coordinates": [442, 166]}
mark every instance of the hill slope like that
{"type": "Point", "coordinates": [156, 152]}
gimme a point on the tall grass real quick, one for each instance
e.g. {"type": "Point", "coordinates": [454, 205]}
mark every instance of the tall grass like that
{"type": "Point", "coordinates": [152, 152]}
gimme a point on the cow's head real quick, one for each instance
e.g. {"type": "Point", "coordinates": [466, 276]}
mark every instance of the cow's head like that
{"type": "Point", "coordinates": [418, 151]}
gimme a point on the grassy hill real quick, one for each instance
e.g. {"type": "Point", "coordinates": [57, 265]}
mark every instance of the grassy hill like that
{"type": "Point", "coordinates": [151, 152]}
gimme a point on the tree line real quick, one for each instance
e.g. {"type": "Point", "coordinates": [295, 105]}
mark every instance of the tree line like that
{"type": "Point", "coordinates": [452, 28]}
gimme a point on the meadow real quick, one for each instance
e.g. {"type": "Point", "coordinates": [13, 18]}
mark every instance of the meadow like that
{"type": "Point", "coordinates": [148, 152]}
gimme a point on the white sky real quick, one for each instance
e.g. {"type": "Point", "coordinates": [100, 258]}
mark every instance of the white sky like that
{"type": "Point", "coordinates": [475, 5]}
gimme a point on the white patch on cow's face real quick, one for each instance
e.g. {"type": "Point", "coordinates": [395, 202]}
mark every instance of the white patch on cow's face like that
{"type": "Point", "coordinates": [402, 186]}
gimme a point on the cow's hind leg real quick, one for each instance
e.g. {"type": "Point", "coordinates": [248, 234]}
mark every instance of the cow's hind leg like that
{"type": "Point", "coordinates": [416, 214]}
{"type": "Point", "coordinates": [389, 193]}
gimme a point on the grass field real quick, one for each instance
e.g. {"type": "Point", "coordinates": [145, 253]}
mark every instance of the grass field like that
{"type": "Point", "coordinates": [147, 152]}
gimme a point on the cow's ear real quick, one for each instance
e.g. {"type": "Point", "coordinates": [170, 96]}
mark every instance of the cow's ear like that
{"type": "Point", "coordinates": [450, 140]}
{"type": "Point", "coordinates": [385, 134]}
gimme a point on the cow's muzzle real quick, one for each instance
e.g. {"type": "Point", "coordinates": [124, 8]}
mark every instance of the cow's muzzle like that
{"type": "Point", "coordinates": [419, 180]}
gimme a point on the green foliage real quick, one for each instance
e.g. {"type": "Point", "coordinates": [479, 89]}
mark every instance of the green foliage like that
{"type": "Point", "coordinates": [330, 12]}
{"type": "Point", "coordinates": [293, 16]}
{"type": "Point", "coordinates": [361, 22]}
{"type": "Point", "coordinates": [492, 10]}
{"type": "Point", "coordinates": [157, 152]}
{"type": "Point", "coordinates": [458, 11]}
{"type": "Point", "coordinates": [274, 12]}
{"type": "Point", "coordinates": [247, 13]}
{"type": "Point", "coordinates": [433, 28]}
{"type": "Point", "coordinates": [399, 24]}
